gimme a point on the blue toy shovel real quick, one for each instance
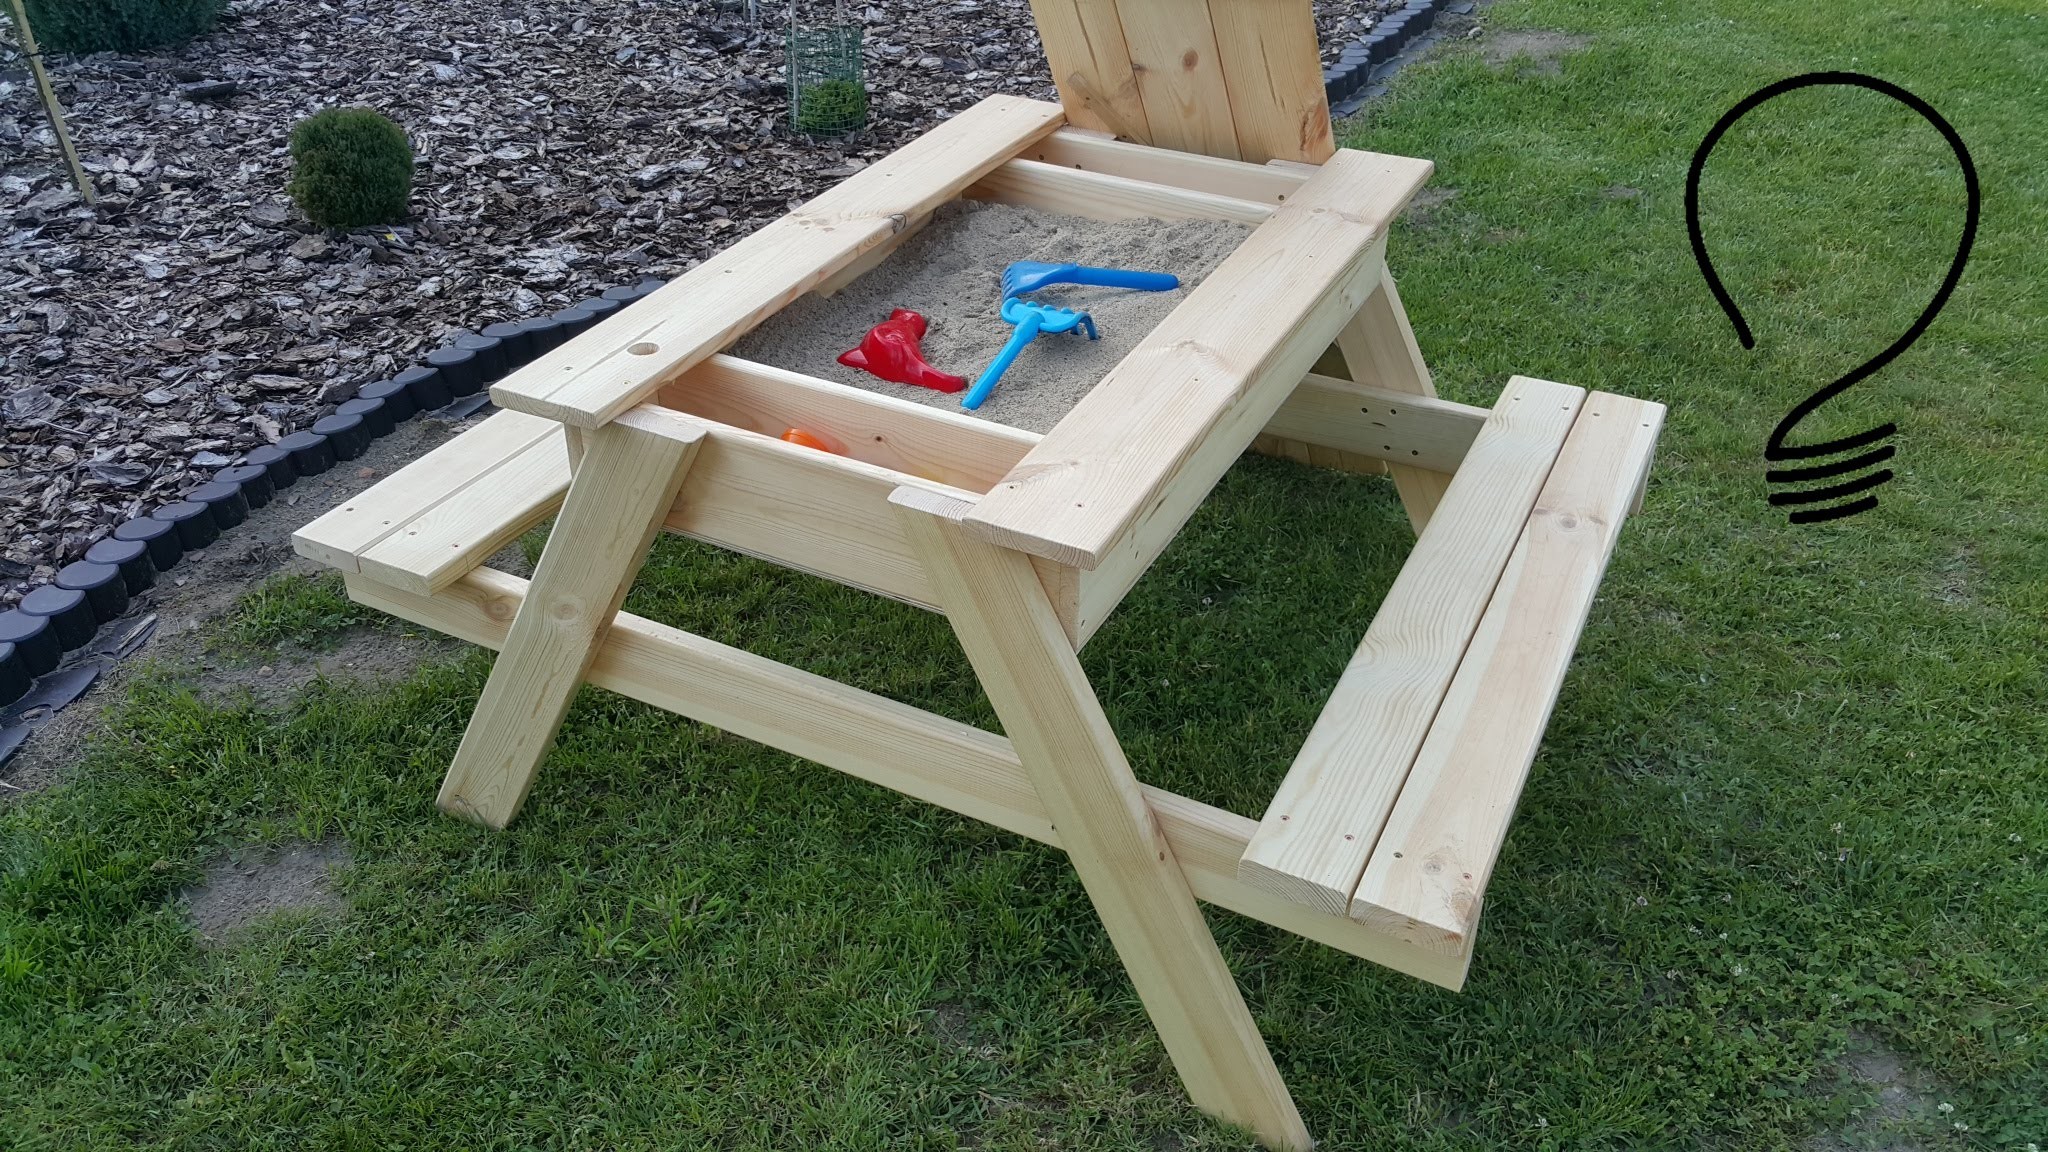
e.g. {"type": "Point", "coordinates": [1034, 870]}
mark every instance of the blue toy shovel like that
{"type": "Point", "coordinates": [1031, 317]}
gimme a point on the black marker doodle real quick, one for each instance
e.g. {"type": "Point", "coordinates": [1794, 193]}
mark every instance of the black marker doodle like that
{"type": "Point", "coordinates": [1777, 450]}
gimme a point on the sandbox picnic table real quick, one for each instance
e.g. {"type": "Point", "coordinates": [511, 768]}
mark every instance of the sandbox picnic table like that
{"type": "Point", "coordinates": [1384, 829]}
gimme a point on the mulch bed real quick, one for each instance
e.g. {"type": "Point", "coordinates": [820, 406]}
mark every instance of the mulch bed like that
{"type": "Point", "coordinates": [192, 313]}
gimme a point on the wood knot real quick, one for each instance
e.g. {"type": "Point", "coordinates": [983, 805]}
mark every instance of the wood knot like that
{"type": "Point", "coordinates": [1190, 59]}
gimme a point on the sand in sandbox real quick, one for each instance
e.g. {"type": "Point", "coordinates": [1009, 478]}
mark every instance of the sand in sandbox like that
{"type": "Point", "coordinates": [952, 273]}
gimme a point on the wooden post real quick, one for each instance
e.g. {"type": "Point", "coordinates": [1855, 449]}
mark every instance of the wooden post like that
{"type": "Point", "coordinates": [1026, 664]}
{"type": "Point", "coordinates": [1379, 349]}
{"type": "Point", "coordinates": [623, 490]}
{"type": "Point", "coordinates": [51, 108]}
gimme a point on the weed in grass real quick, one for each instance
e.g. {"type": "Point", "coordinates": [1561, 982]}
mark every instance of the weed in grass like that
{"type": "Point", "coordinates": [310, 611]}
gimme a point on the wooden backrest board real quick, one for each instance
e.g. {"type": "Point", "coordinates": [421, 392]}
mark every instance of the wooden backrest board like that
{"type": "Point", "coordinates": [1239, 79]}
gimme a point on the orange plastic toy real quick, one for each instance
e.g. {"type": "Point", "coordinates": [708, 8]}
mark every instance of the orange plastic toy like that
{"type": "Point", "coordinates": [812, 440]}
{"type": "Point", "coordinates": [892, 351]}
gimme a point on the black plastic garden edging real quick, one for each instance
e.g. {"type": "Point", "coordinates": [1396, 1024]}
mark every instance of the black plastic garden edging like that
{"type": "Point", "coordinates": [1363, 63]}
{"type": "Point", "coordinates": [61, 616]}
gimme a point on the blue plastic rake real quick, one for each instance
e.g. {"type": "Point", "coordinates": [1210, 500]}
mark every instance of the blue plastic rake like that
{"type": "Point", "coordinates": [1031, 317]}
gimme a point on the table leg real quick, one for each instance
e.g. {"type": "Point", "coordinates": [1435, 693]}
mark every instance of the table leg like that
{"type": "Point", "coordinates": [1379, 349]}
{"type": "Point", "coordinates": [1022, 656]}
{"type": "Point", "coordinates": [623, 490]}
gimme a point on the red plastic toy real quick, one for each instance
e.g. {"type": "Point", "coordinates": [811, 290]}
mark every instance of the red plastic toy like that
{"type": "Point", "coordinates": [890, 350]}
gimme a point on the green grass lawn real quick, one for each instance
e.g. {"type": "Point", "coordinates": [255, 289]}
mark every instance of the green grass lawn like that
{"type": "Point", "coordinates": [1794, 799]}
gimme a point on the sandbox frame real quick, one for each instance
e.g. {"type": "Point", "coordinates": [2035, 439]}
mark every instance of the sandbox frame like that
{"type": "Point", "coordinates": [1026, 543]}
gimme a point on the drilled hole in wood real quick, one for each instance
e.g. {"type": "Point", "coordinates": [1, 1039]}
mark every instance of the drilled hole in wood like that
{"type": "Point", "coordinates": [644, 348]}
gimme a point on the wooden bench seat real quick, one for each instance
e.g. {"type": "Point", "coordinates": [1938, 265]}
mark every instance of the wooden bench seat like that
{"type": "Point", "coordinates": [422, 527]}
{"type": "Point", "coordinates": [1398, 803]}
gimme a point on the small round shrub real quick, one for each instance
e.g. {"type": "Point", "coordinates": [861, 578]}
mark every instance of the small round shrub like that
{"type": "Point", "coordinates": [830, 107]}
{"type": "Point", "coordinates": [119, 25]}
{"type": "Point", "coordinates": [351, 167]}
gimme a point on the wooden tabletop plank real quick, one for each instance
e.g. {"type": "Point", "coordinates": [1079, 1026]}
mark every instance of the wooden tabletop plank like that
{"type": "Point", "coordinates": [1148, 442]}
{"type": "Point", "coordinates": [1432, 862]}
{"type": "Point", "coordinates": [617, 364]}
{"type": "Point", "coordinates": [1314, 839]}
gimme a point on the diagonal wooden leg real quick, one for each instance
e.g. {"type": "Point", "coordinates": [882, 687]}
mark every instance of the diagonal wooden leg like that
{"type": "Point", "coordinates": [1379, 349]}
{"type": "Point", "coordinates": [1027, 665]}
{"type": "Point", "coordinates": [624, 487]}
